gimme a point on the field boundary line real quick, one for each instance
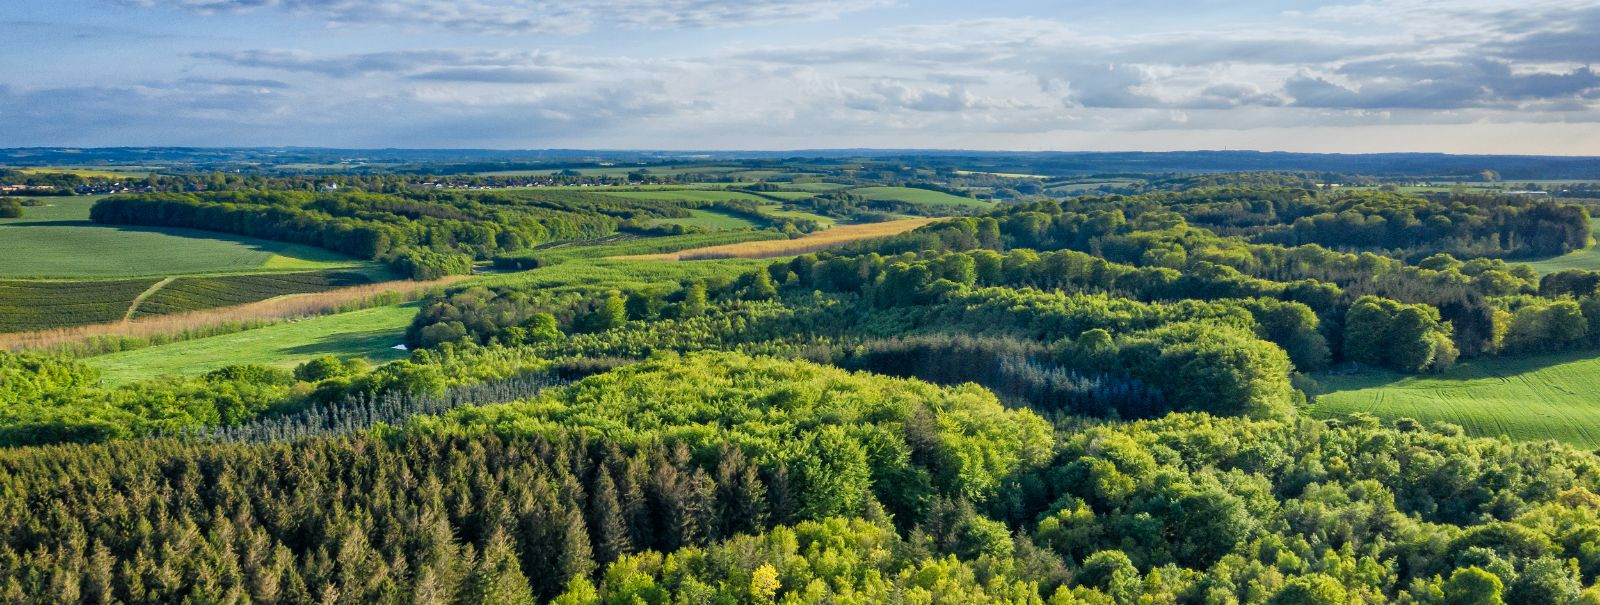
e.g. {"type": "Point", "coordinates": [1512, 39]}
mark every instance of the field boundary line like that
{"type": "Point", "coordinates": [134, 306]}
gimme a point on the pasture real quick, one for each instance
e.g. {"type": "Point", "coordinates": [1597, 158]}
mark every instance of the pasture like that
{"type": "Point", "coordinates": [368, 334]}
{"type": "Point", "coordinates": [685, 195]}
{"type": "Point", "coordinates": [710, 220]}
{"type": "Point", "coordinates": [1538, 397]}
{"type": "Point", "coordinates": [59, 241]}
{"type": "Point", "coordinates": [918, 196]}
{"type": "Point", "coordinates": [820, 240]}
{"type": "Point", "coordinates": [1587, 259]}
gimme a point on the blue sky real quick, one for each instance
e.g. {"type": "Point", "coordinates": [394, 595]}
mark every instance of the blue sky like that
{"type": "Point", "coordinates": [1471, 76]}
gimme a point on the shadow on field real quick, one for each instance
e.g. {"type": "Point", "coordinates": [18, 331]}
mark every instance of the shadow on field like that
{"type": "Point", "coordinates": [1501, 368]}
{"type": "Point", "coordinates": [375, 345]}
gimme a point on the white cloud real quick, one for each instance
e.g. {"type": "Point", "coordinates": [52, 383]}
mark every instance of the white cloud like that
{"type": "Point", "coordinates": [537, 16]}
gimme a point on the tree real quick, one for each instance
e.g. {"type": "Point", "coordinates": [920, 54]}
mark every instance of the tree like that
{"type": "Point", "coordinates": [1315, 589]}
{"type": "Point", "coordinates": [1472, 586]}
{"type": "Point", "coordinates": [694, 299]}
{"type": "Point", "coordinates": [319, 369]}
{"type": "Point", "coordinates": [497, 579]}
{"type": "Point", "coordinates": [613, 312]}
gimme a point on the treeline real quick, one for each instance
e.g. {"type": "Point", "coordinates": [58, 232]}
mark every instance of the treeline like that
{"type": "Point", "coordinates": [421, 238]}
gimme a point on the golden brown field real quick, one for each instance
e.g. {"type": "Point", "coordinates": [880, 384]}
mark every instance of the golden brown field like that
{"type": "Point", "coordinates": [820, 240]}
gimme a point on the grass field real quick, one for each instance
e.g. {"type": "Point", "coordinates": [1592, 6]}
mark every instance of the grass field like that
{"type": "Point", "coordinates": [104, 173]}
{"type": "Point", "coordinates": [820, 240]}
{"type": "Point", "coordinates": [1587, 259]}
{"type": "Point", "coordinates": [917, 196]}
{"type": "Point", "coordinates": [58, 241]}
{"type": "Point", "coordinates": [710, 219]}
{"type": "Point", "coordinates": [778, 211]}
{"type": "Point", "coordinates": [368, 333]}
{"type": "Point", "coordinates": [1541, 397]}
{"type": "Point", "coordinates": [685, 195]}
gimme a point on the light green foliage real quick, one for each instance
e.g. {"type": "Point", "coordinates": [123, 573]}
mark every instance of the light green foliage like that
{"type": "Point", "coordinates": [849, 425]}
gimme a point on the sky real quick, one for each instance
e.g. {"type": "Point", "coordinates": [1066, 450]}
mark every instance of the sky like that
{"type": "Point", "coordinates": [1467, 76]}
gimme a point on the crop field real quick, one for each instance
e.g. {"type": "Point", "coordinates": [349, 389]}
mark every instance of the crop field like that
{"type": "Point", "coordinates": [1539, 397]}
{"type": "Point", "coordinates": [614, 273]}
{"type": "Point", "coordinates": [685, 195]}
{"type": "Point", "coordinates": [778, 211]}
{"type": "Point", "coordinates": [710, 219]}
{"type": "Point", "coordinates": [103, 173]}
{"type": "Point", "coordinates": [369, 334]}
{"type": "Point", "coordinates": [820, 240]}
{"type": "Point", "coordinates": [35, 305]}
{"type": "Point", "coordinates": [917, 196]}
{"type": "Point", "coordinates": [58, 241]}
{"type": "Point", "coordinates": [196, 293]}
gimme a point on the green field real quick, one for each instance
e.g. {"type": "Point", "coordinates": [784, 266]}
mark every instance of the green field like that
{"type": "Point", "coordinates": [109, 172]}
{"type": "Point", "coordinates": [685, 195]}
{"type": "Point", "coordinates": [917, 196]}
{"type": "Point", "coordinates": [778, 211]}
{"type": "Point", "coordinates": [37, 305]}
{"type": "Point", "coordinates": [1587, 259]}
{"type": "Point", "coordinates": [710, 220]}
{"type": "Point", "coordinates": [368, 333]}
{"type": "Point", "coordinates": [1540, 397]}
{"type": "Point", "coordinates": [58, 241]}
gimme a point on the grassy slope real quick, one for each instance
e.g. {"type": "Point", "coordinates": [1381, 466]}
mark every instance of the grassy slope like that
{"type": "Point", "coordinates": [917, 196]}
{"type": "Point", "coordinates": [368, 333]}
{"type": "Point", "coordinates": [676, 195]}
{"type": "Point", "coordinates": [710, 219]}
{"type": "Point", "coordinates": [58, 241]}
{"type": "Point", "coordinates": [1540, 397]}
{"type": "Point", "coordinates": [1587, 259]}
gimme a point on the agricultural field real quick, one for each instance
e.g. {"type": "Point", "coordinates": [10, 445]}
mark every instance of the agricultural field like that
{"type": "Point", "coordinates": [369, 334]}
{"type": "Point", "coordinates": [185, 294]}
{"type": "Point", "coordinates": [37, 305]}
{"type": "Point", "coordinates": [918, 196]}
{"type": "Point", "coordinates": [710, 220]}
{"type": "Point", "coordinates": [685, 195]}
{"type": "Point", "coordinates": [1587, 259]}
{"type": "Point", "coordinates": [1539, 397]}
{"type": "Point", "coordinates": [59, 241]}
{"type": "Point", "coordinates": [103, 172]}
{"type": "Point", "coordinates": [778, 211]}
{"type": "Point", "coordinates": [813, 242]}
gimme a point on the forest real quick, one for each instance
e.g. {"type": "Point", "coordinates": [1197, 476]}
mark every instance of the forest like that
{"type": "Point", "coordinates": [1100, 398]}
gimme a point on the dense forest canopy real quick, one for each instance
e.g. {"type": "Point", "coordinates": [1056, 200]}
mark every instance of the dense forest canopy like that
{"type": "Point", "coordinates": [1038, 398]}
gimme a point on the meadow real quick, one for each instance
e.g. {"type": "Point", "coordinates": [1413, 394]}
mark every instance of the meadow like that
{"type": "Point", "coordinates": [59, 241]}
{"type": "Point", "coordinates": [918, 196]}
{"type": "Point", "coordinates": [814, 242]}
{"type": "Point", "coordinates": [369, 334]}
{"type": "Point", "coordinates": [1537, 397]}
{"type": "Point", "coordinates": [686, 195]}
{"type": "Point", "coordinates": [711, 220]}
{"type": "Point", "coordinates": [1587, 259]}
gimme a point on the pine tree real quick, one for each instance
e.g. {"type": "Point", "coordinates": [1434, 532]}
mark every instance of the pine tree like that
{"type": "Point", "coordinates": [605, 515]}
{"type": "Point", "coordinates": [497, 578]}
